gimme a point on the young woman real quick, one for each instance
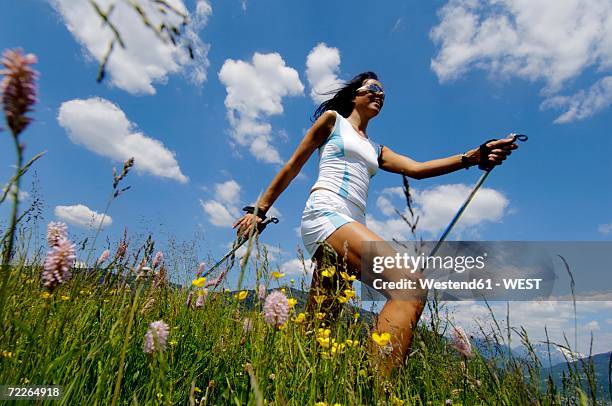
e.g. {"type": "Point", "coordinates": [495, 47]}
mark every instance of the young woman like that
{"type": "Point", "coordinates": [335, 210]}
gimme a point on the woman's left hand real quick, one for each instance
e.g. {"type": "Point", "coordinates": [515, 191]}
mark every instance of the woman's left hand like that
{"type": "Point", "coordinates": [499, 151]}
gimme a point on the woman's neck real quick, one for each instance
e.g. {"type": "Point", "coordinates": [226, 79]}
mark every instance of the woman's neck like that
{"type": "Point", "coordinates": [359, 122]}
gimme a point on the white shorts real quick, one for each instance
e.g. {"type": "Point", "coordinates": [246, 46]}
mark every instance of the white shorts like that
{"type": "Point", "coordinates": [324, 213]}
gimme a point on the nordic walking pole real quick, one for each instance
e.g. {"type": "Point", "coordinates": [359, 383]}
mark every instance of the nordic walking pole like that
{"type": "Point", "coordinates": [239, 243]}
{"type": "Point", "coordinates": [483, 177]}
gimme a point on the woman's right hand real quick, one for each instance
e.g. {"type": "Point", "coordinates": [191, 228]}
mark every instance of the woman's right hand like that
{"type": "Point", "coordinates": [246, 223]}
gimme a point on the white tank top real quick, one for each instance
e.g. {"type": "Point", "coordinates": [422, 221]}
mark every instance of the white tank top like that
{"type": "Point", "coordinates": [347, 162]}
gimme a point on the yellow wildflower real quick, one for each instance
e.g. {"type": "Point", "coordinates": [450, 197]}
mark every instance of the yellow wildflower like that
{"type": "Point", "coordinates": [172, 343]}
{"type": "Point", "coordinates": [324, 332]}
{"type": "Point", "coordinates": [282, 326]}
{"type": "Point", "coordinates": [277, 275]}
{"type": "Point", "coordinates": [328, 272]}
{"type": "Point", "coordinates": [320, 404]}
{"type": "Point", "coordinates": [349, 293]}
{"type": "Point", "coordinates": [320, 298]}
{"type": "Point", "coordinates": [65, 297]}
{"type": "Point", "coordinates": [323, 341]}
{"type": "Point", "coordinates": [291, 302]}
{"type": "Point", "coordinates": [241, 295]}
{"type": "Point", "coordinates": [320, 316]}
{"type": "Point", "coordinates": [381, 339]}
{"type": "Point", "coordinates": [342, 299]}
{"type": "Point", "coordinates": [347, 277]}
{"type": "Point", "coordinates": [46, 295]}
{"type": "Point", "coordinates": [199, 282]}
{"type": "Point", "coordinates": [299, 318]}
{"type": "Point", "coordinates": [6, 354]}
{"type": "Point", "coordinates": [395, 401]}
{"type": "Point", "coordinates": [282, 290]}
{"type": "Point", "coordinates": [337, 348]}
{"type": "Point", "coordinates": [356, 316]}
{"type": "Point", "coordinates": [351, 343]}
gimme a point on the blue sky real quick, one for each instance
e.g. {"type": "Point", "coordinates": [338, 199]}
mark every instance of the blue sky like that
{"type": "Point", "coordinates": [455, 75]}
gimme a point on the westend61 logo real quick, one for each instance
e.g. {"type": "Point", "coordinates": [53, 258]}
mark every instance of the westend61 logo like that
{"type": "Point", "coordinates": [422, 262]}
{"type": "Point", "coordinates": [491, 270]}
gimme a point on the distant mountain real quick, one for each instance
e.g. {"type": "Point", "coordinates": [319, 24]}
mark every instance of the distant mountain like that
{"type": "Point", "coordinates": [558, 354]}
{"type": "Point", "coordinates": [489, 349]}
{"type": "Point", "coordinates": [601, 368]}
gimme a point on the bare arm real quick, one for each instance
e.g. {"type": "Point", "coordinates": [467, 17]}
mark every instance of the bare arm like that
{"type": "Point", "coordinates": [313, 138]}
{"type": "Point", "coordinates": [396, 163]}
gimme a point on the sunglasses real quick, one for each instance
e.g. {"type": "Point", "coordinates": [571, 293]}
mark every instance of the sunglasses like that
{"type": "Point", "coordinates": [373, 89]}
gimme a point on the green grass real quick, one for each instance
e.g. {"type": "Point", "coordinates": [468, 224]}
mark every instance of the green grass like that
{"type": "Point", "coordinates": [81, 337]}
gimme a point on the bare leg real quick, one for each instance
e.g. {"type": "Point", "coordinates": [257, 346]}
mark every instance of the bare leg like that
{"type": "Point", "coordinates": [398, 317]}
{"type": "Point", "coordinates": [323, 289]}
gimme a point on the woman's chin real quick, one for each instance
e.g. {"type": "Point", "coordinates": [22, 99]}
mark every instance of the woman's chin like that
{"type": "Point", "coordinates": [374, 110]}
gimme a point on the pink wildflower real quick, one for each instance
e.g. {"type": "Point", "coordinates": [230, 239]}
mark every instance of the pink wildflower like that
{"type": "Point", "coordinates": [201, 269]}
{"type": "Point", "coordinates": [247, 325]}
{"type": "Point", "coordinates": [461, 341]}
{"type": "Point", "coordinates": [18, 88]}
{"type": "Point", "coordinates": [56, 230]}
{"type": "Point", "coordinates": [156, 337]}
{"type": "Point", "coordinates": [201, 299]}
{"type": "Point", "coordinates": [261, 291]}
{"type": "Point", "coordinates": [121, 249]}
{"type": "Point", "coordinates": [57, 265]}
{"type": "Point", "coordinates": [159, 258]}
{"type": "Point", "coordinates": [276, 309]}
{"type": "Point", "coordinates": [103, 257]}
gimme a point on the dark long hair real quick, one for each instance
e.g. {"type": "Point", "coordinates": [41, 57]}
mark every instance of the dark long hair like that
{"type": "Point", "coordinates": [342, 102]}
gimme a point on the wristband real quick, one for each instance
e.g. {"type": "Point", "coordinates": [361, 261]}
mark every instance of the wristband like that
{"type": "Point", "coordinates": [251, 210]}
{"type": "Point", "coordinates": [484, 163]}
{"type": "Point", "coordinates": [465, 161]}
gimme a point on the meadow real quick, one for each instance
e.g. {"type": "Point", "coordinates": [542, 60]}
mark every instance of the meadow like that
{"type": "Point", "coordinates": [117, 329]}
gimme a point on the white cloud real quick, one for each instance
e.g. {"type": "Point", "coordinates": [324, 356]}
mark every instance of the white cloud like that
{"type": "Point", "coordinates": [82, 216]}
{"type": "Point", "coordinates": [385, 206]}
{"type": "Point", "coordinates": [228, 192]}
{"type": "Point", "coordinates": [399, 25]}
{"type": "Point", "coordinates": [102, 127]}
{"type": "Point", "coordinates": [222, 210]}
{"type": "Point", "coordinates": [531, 39]}
{"type": "Point", "coordinates": [557, 316]}
{"type": "Point", "coordinates": [605, 228]}
{"type": "Point", "coordinates": [294, 267]}
{"type": "Point", "coordinates": [435, 207]}
{"type": "Point", "coordinates": [592, 325]}
{"type": "Point", "coordinates": [322, 65]}
{"type": "Point", "coordinates": [146, 59]}
{"type": "Point", "coordinates": [583, 104]}
{"type": "Point", "coordinates": [274, 252]}
{"type": "Point", "coordinates": [219, 214]}
{"type": "Point", "coordinates": [22, 195]}
{"type": "Point", "coordinates": [254, 92]}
